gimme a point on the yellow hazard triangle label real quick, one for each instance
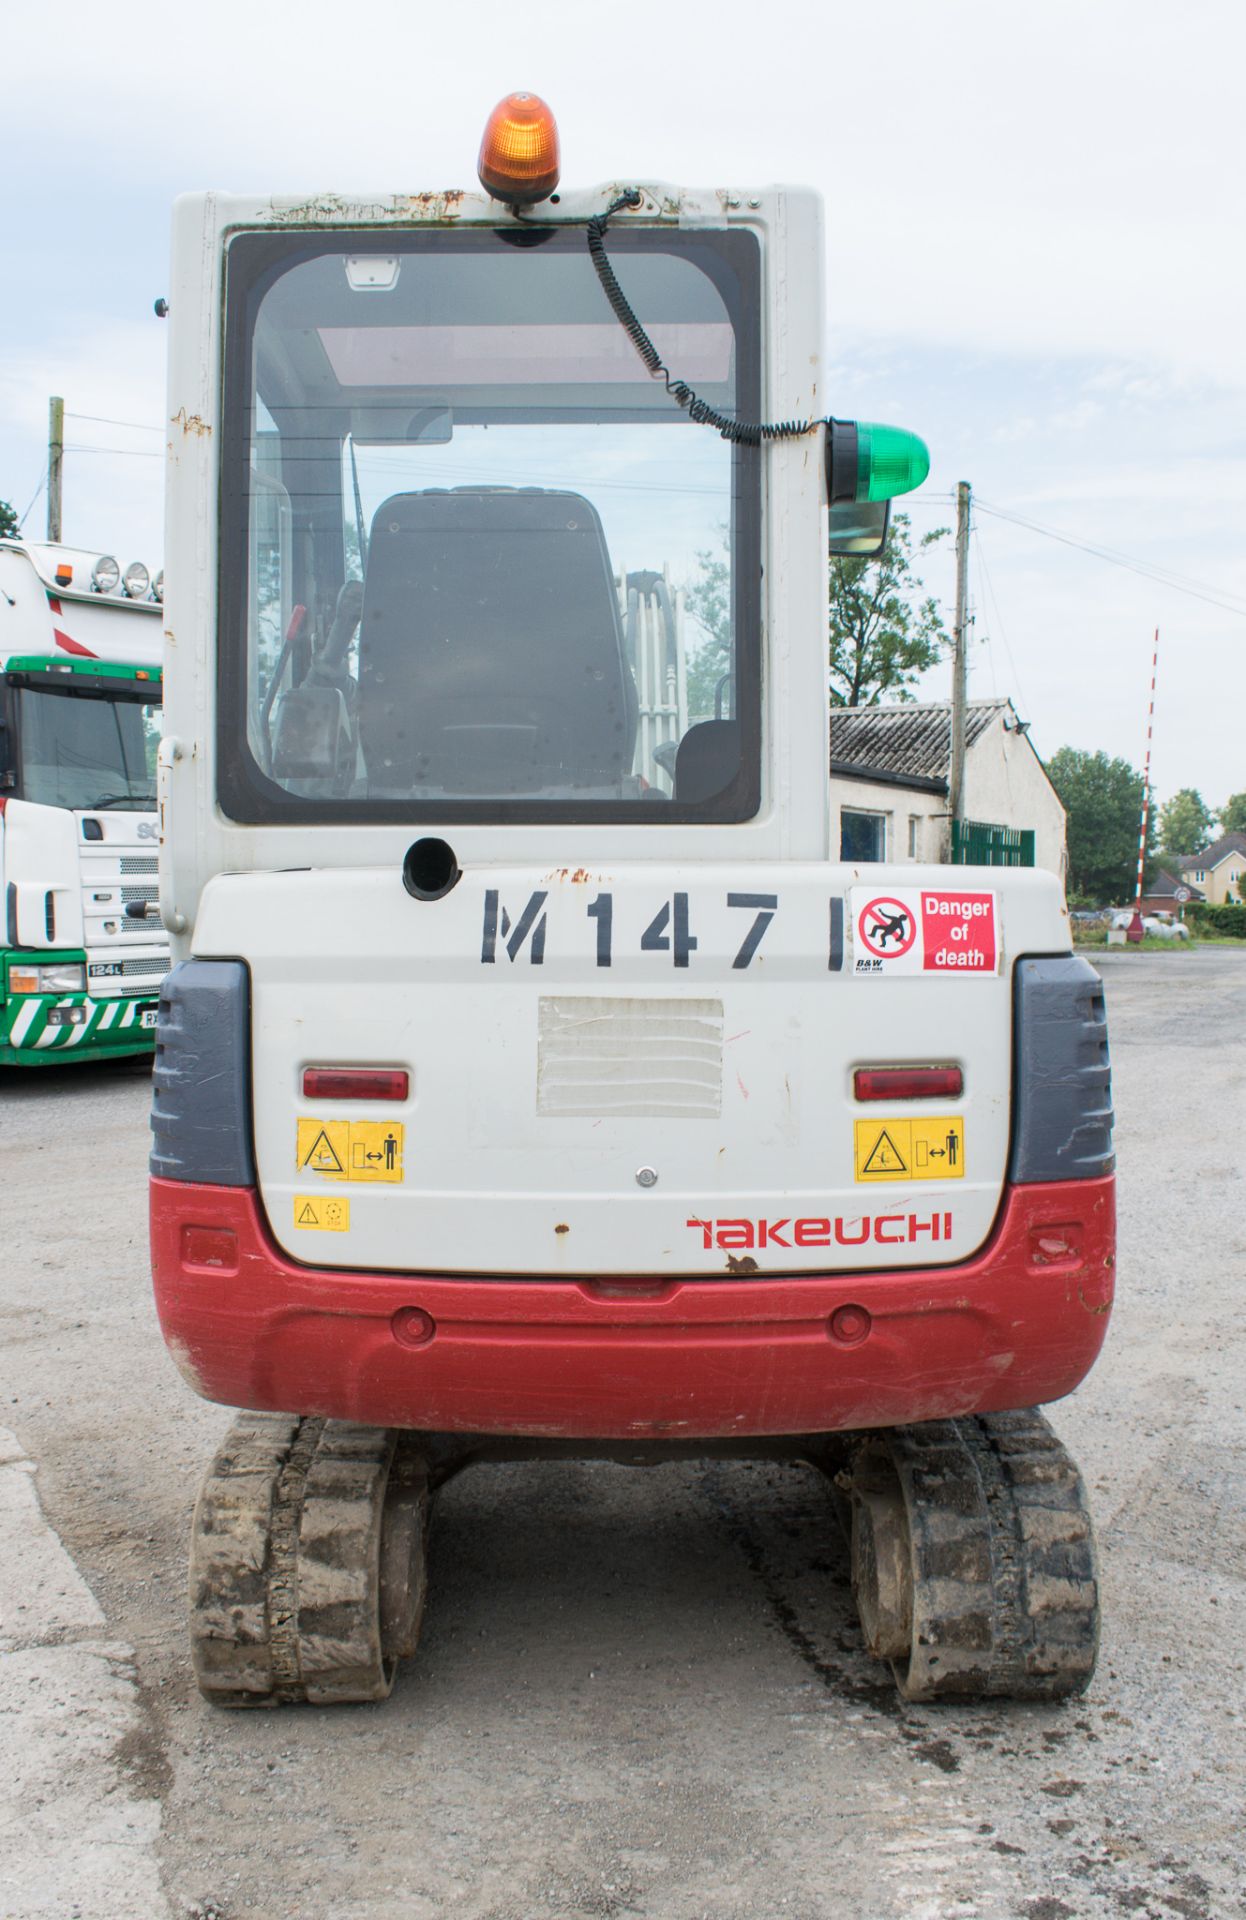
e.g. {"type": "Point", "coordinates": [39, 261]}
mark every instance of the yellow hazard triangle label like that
{"type": "Point", "coordinates": [325, 1215]}
{"type": "Point", "coordinates": [932, 1148]}
{"type": "Point", "coordinates": [350, 1149]}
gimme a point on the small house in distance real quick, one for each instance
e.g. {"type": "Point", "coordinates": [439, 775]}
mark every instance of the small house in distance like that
{"type": "Point", "coordinates": [1218, 872]}
{"type": "Point", "coordinates": [889, 787]}
{"type": "Point", "coordinates": [1168, 893]}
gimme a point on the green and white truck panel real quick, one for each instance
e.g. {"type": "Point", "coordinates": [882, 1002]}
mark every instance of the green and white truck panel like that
{"type": "Point", "coordinates": [80, 690]}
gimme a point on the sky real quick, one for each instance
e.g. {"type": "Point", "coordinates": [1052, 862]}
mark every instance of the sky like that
{"type": "Point", "coordinates": [1035, 259]}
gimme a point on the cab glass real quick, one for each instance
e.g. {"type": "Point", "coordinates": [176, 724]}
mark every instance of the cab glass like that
{"type": "Point", "coordinates": [475, 562]}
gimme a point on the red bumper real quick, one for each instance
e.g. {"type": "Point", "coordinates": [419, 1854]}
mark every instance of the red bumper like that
{"type": "Point", "coordinates": [1020, 1324]}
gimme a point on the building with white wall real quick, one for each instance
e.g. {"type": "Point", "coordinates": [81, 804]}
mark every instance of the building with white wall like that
{"type": "Point", "coordinates": [889, 781]}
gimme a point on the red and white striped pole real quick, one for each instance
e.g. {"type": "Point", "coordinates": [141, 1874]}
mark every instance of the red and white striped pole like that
{"type": "Point", "coordinates": [1135, 925]}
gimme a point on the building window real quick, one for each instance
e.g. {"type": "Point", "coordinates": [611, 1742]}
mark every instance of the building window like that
{"type": "Point", "coordinates": [915, 836]}
{"type": "Point", "coordinates": [862, 836]}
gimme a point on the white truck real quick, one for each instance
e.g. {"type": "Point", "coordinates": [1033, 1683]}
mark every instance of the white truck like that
{"type": "Point", "coordinates": [80, 692]}
{"type": "Point", "coordinates": [535, 1078]}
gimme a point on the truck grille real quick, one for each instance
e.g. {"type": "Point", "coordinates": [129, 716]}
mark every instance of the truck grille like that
{"type": "Point", "coordinates": [154, 969]}
{"type": "Point", "coordinates": [133, 864]}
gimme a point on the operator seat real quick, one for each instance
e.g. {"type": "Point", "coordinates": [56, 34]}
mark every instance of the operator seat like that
{"type": "Point", "coordinates": [491, 659]}
{"type": "Point", "coordinates": [708, 760]}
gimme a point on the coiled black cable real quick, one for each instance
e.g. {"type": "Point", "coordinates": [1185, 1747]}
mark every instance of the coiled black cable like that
{"type": "Point", "coordinates": [747, 433]}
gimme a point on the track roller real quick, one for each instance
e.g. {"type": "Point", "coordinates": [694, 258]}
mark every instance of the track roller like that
{"type": "Point", "coordinates": [973, 1559]}
{"type": "Point", "coordinates": [307, 1562]}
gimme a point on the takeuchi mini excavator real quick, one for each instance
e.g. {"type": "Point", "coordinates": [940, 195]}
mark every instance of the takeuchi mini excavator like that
{"type": "Point", "coordinates": [534, 1078]}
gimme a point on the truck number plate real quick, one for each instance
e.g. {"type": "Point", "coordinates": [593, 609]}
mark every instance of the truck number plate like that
{"type": "Point", "coordinates": [147, 1018]}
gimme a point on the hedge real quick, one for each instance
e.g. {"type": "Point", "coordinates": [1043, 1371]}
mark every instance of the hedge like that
{"type": "Point", "coordinates": [1226, 919]}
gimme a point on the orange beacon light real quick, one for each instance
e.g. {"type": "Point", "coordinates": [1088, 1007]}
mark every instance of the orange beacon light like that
{"type": "Point", "coordinates": [519, 157]}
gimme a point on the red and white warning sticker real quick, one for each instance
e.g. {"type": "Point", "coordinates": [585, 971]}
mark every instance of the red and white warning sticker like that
{"type": "Point", "coordinates": [919, 930]}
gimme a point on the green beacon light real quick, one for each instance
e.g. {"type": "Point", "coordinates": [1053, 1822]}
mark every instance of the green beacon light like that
{"type": "Point", "coordinates": [866, 462]}
{"type": "Point", "coordinates": [890, 460]}
{"type": "Point", "coordinates": [866, 467]}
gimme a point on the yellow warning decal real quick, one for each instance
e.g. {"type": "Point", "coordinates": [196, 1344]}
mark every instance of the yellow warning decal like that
{"type": "Point", "coordinates": [932, 1148]}
{"type": "Point", "coordinates": [325, 1215]}
{"type": "Point", "coordinates": [350, 1149]}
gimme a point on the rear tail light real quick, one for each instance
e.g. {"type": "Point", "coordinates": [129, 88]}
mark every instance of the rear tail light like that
{"type": "Point", "coordinates": [908, 1083]}
{"type": "Point", "coordinates": [356, 1083]}
{"type": "Point", "coordinates": [1062, 1078]}
{"type": "Point", "coordinates": [201, 1086]}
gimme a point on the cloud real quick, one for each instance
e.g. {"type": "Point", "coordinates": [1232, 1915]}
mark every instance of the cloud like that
{"type": "Point", "coordinates": [1032, 257]}
{"type": "Point", "coordinates": [114, 493]}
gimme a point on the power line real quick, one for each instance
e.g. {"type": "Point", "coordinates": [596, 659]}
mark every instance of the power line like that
{"type": "Point", "coordinates": [134, 453]}
{"type": "Point", "coordinates": [1159, 574]}
{"type": "Point", "coordinates": [988, 638]}
{"type": "Point", "coordinates": [1169, 575]}
{"type": "Point", "coordinates": [102, 420]}
{"type": "Point", "coordinates": [999, 618]}
{"type": "Point", "coordinates": [43, 481]}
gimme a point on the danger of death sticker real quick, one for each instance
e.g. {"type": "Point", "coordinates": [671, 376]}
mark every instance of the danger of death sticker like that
{"type": "Point", "coordinates": [350, 1149]}
{"type": "Point", "coordinates": [932, 1148]}
{"type": "Point", "coordinates": [948, 931]}
{"type": "Point", "coordinates": [326, 1215]}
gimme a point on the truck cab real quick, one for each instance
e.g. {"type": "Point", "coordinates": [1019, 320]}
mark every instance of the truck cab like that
{"type": "Point", "coordinates": [80, 705]}
{"type": "Point", "coordinates": [534, 1073]}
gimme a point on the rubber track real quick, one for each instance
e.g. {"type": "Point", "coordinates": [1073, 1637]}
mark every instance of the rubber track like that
{"type": "Point", "coordinates": [285, 1548]}
{"type": "Point", "coordinates": [1005, 1589]}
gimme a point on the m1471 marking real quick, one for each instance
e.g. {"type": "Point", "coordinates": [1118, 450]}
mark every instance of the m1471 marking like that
{"type": "Point", "coordinates": [668, 931]}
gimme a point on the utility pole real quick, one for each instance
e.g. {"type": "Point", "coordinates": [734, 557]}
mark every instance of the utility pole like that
{"type": "Point", "coordinates": [1136, 930]}
{"type": "Point", "coordinates": [56, 452]}
{"type": "Point", "coordinates": [960, 670]}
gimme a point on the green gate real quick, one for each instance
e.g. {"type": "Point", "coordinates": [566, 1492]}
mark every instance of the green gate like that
{"type": "Point", "coordinates": [976, 843]}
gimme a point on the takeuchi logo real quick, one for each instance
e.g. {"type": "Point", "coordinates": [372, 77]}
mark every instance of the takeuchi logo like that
{"type": "Point", "coordinates": [886, 1229]}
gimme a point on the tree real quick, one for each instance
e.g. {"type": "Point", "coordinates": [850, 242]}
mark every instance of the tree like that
{"type": "Point", "coordinates": [9, 529]}
{"type": "Point", "coordinates": [1185, 822]}
{"type": "Point", "coordinates": [1233, 814]}
{"type": "Point", "coordinates": [708, 601]}
{"type": "Point", "coordinates": [1103, 801]}
{"type": "Point", "coordinates": [882, 634]}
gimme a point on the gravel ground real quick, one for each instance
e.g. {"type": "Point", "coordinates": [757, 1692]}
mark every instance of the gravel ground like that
{"type": "Point", "coordinates": [639, 1694]}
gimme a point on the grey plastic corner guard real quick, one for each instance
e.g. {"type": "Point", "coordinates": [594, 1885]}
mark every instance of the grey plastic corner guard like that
{"type": "Point", "coordinates": [1062, 1077]}
{"type": "Point", "coordinates": [201, 1097]}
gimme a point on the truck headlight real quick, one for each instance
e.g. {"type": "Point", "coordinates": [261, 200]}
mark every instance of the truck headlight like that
{"type": "Point", "coordinates": [63, 976]}
{"type": "Point", "coordinates": [105, 574]}
{"type": "Point", "coordinates": [136, 580]}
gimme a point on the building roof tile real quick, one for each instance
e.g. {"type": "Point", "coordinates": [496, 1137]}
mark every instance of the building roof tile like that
{"type": "Point", "coordinates": [1218, 850]}
{"type": "Point", "coordinates": [1164, 886]}
{"type": "Point", "coordinates": [906, 741]}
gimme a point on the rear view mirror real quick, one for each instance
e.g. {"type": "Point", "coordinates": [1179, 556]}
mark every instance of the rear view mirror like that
{"type": "Point", "coordinates": [858, 528]}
